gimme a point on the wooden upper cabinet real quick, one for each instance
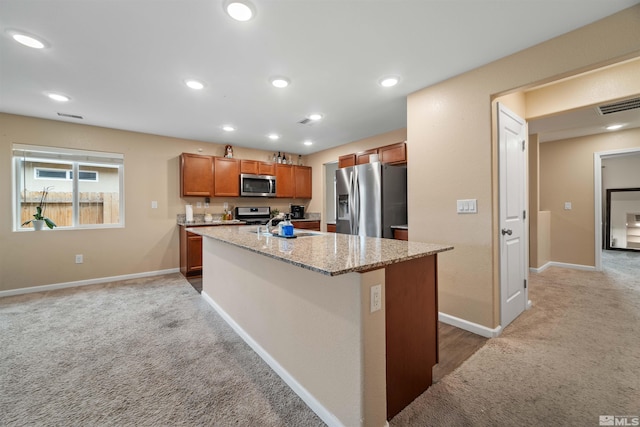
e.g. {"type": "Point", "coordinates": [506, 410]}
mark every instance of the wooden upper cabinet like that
{"type": "Point", "coordinates": [266, 168]}
{"type": "Point", "coordinates": [363, 156]}
{"type": "Point", "coordinates": [394, 153]}
{"type": "Point", "coordinates": [196, 175]}
{"type": "Point", "coordinates": [346, 160]}
{"type": "Point", "coordinates": [256, 167]}
{"type": "Point", "coordinates": [285, 182]}
{"type": "Point", "coordinates": [226, 180]}
{"type": "Point", "coordinates": [302, 175]}
{"type": "Point", "coordinates": [249, 166]}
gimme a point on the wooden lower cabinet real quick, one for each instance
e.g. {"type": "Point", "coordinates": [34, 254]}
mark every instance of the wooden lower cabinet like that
{"type": "Point", "coordinates": [411, 321]}
{"type": "Point", "coordinates": [331, 228]}
{"type": "Point", "coordinates": [190, 253]}
{"type": "Point", "coordinates": [306, 225]}
{"type": "Point", "coordinates": [400, 234]}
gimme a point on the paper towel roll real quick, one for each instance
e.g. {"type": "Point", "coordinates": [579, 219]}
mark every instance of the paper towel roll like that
{"type": "Point", "coordinates": [189, 212]}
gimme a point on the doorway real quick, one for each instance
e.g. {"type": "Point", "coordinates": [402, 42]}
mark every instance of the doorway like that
{"type": "Point", "coordinates": [599, 204]}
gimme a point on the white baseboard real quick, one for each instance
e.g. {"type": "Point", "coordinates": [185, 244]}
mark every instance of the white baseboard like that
{"type": "Point", "coordinates": [469, 326]}
{"type": "Point", "coordinates": [52, 287]}
{"type": "Point", "coordinates": [324, 414]}
{"type": "Point", "coordinates": [563, 265]}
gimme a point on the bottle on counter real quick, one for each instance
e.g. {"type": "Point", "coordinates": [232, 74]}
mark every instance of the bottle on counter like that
{"type": "Point", "coordinates": [287, 227]}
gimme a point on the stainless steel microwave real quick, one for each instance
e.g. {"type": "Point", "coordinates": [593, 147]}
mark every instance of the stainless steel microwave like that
{"type": "Point", "coordinates": [257, 185]}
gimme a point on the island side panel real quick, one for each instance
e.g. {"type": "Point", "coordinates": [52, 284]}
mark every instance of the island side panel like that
{"type": "Point", "coordinates": [411, 330]}
{"type": "Point", "coordinates": [311, 325]}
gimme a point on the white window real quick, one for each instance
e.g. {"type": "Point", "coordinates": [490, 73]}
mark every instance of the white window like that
{"type": "Point", "coordinates": [94, 200]}
{"type": "Point", "coordinates": [67, 175]}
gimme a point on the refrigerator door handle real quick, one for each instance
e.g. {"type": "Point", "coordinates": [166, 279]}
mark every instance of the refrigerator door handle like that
{"type": "Point", "coordinates": [356, 203]}
{"type": "Point", "coordinates": [350, 201]}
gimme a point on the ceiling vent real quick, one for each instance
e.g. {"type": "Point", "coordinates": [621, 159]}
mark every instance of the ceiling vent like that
{"type": "Point", "coordinates": [71, 116]}
{"type": "Point", "coordinates": [616, 107]}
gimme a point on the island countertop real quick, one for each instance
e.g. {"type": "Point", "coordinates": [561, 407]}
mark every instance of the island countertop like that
{"type": "Point", "coordinates": [326, 253]}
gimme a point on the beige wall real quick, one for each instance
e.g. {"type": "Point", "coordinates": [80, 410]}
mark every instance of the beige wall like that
{"type": "Point", "coordinates": [449, 136]}
{"type": "Point", "coordinates": [149, 240]}
{"type": "Point", "coordinates": [566, 175]}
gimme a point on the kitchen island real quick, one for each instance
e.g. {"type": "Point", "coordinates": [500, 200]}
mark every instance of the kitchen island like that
{"type": "Point", "coordinates": [307, 307]}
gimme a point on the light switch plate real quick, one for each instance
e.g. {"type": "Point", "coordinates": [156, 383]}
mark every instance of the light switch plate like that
{"type": "Point", "coordinates": [467, 206]}
{"type": "Point", "coordinates": [567, 206]}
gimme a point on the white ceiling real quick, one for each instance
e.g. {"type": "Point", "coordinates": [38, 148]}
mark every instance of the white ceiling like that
{"type": "Point", "coordinates": [123, 62]}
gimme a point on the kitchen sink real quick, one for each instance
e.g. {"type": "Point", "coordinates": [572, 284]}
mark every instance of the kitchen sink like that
{"type": "Point", "coordinates": [296, 233]}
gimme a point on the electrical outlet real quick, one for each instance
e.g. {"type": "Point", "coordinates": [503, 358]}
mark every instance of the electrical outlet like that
{"type": "Point", "coordinates": [154, 204]}
{"type": "Point", "coordinates": [376, 298]}
{"type": "Point", "coordinates": [79, 259]}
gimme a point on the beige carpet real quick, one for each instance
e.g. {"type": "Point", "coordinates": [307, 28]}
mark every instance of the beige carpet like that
{"type": "Point", "coordinates": [150, 352]}
{"type": "Point", "coordinates": [147, 352]}
{"type": "Point", "coordinates": [571, 358]}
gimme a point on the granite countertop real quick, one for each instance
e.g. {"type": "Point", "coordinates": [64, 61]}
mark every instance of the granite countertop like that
{"type": "Point", "coordinates": [199, 222]}
{"type": "Point", "coordinates": [326, 253]}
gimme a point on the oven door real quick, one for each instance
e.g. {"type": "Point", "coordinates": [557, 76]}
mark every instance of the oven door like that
{"type": "Point", "coordinates": [257, 185]}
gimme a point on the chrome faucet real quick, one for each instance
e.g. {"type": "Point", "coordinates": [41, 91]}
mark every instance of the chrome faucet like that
{"type": "Point", "coordinates": [269, 224]}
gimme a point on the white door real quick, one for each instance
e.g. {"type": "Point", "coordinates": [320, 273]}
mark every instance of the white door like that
{"type": "Point", "coordinates": [512, 141]}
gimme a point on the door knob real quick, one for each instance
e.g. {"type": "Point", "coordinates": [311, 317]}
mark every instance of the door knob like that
{"type": "Point", "coordinates": [506, 231]}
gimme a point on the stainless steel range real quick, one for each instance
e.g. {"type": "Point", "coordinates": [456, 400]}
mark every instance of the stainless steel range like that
{"type": "Point", "coordinates": [257, 215]}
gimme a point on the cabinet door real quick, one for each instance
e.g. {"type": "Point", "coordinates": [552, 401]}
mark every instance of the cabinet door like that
{"type": "Point", "coordinates": [249, 166]}
{"type": "Point", "coordinates": [363, 156]}
{"type": "Point", "coordinates": [303, 182]}
{"type": "Point", "coordinates": [331, 228]}
{"type": "Point", "coordinates": [226, 177]}
{"type": "Point", "coordinates": [306, 225]}
{"type": "Point", "coordinates": [400, 234]}
{"type": "Point", "coordinates": [285, 183]}
{"type": "Point", "coordinates": [266, 168]}
{"type": "Point", "coordinates": [196, 175]}
{"type": "Point", "coordinates": [194, 253]}
{"type": "Point", "coordinates": [346, 160]}
{"type": "Point", "coordinates": [394, 153]}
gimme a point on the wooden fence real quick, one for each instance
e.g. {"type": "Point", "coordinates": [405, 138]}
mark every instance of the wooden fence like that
{"type": "Point", "coordinates": [95, 208]}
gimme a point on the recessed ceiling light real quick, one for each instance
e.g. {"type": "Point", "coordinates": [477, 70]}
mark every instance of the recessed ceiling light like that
{"type": "Point", "coordinates": [315, 116]}
{"type": "Point", "coordinates": [240, 10]}
{"type": "Point", "coordinates": [58, 97]}
{"type": "Point", "coordinates": [280, 82]}
{"type": "Point", "coordinates": [27, 39]}
{"type": "Point", "coordinates": [308, 143]}
{"type": "Point", "coordinates": [389, 81]}
{"type": "Point", "coordinates": [613, 127]}
{"type": "Point", "coordinates": [273, 136]}
{"type": "Point", "coordinates": [194, 84]}
{"type": "Point", "coordinates": [228, 128]}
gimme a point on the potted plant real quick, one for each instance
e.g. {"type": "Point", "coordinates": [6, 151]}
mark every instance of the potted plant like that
{"type": "Point", "coordinates": [39, 220]}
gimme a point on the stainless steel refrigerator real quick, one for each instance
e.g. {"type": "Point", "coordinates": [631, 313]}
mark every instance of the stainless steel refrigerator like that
{"type": "Point", "coordinates": [370, 198]}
